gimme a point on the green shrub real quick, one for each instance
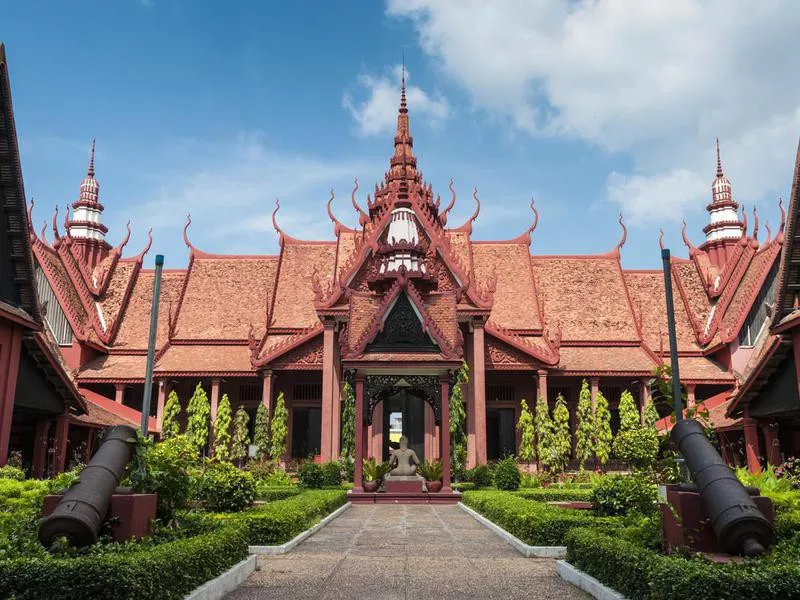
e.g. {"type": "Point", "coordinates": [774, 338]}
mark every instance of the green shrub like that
{"type": "Point", "coordinates": [481, 476]}
{"type": "Point", "coordinates": [279, 521]}
{"type": "Point", "coordinates": [278, 478]}
{"type": "Point", "coordinates": [533, 522]}
{"type": "Point", "coordinates": [553, 494]}
{"type": "Point", "coordinates": [9, 472]}
{"type": "Point", "coordinates": [766, 481]}
{"type": "Point", "coordinates": [637, 447]}
{"type": "Point", "coordinates": [144, 571]}
{"type": "Point", "coordinates": [463, 486]}
{"type": "Point", "coordinates": [637, 572]}
{"type": "Point", "coordinates": [332, 474]}
{"type": "Point", "coordinates": [529, 480]}
{"type": "Point", "coordinates": [226, 488]}
{"type": "Point", "coordinates": [619, 494]}
{"type": "Point", "coordinates": [164, 469]}
{"type": "Point", "coordinates": [431, 470]}
{"type": "Point", "coordinates": [506, 474]}
{"type": "Point", "coordinates": [310, 475]}
{"type": "Point", "coordinates": [260, 469]}
{"type": "Point", "coordinates": [270, 494]}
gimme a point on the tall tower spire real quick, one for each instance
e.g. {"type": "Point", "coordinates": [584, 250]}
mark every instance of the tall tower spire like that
{"type": "Point", "coordinates": [403, 164]}
{"type": "Point", "coordinates": [724, 228]}
{"type": "Point", "coordinates": [85, 226]}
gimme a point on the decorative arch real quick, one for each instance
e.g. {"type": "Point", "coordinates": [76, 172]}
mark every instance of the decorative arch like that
{"type": "Point", "coordinates": [378, 388]}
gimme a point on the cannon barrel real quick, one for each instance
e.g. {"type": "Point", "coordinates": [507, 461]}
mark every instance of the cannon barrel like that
{"type": "Point", "coordinates": [82, 510]}
{"type": "Point", "coordinates": [740, 527]}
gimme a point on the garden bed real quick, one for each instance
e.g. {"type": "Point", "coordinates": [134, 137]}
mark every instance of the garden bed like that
{"type": "Point", "coordinates": [556, 494]}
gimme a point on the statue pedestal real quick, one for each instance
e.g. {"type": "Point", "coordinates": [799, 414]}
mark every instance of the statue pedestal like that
{"type": "Point", "coordinates": [404, 484]}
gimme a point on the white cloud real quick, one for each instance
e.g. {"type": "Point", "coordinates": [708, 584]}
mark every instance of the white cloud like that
{"type": "Point", "coordinates": [377, 114]}
{"type": "Point", "coordinates": [655, 80]}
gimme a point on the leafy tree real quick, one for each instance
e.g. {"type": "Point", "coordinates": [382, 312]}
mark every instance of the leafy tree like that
{"type": "Point", "coordinates": [279, 429]}
{"type": "Point", "coordinates": [348, 422]}
{"type": "Point", "coordinates": [241, 435]}
{"type": "Point", "coordinates": [650, 415]}
{"type": "Point", "coordinates": [222, 430]}
{"type": "Point", "coordinates": [602, 430]}
{"type": "Point", "coordinates": [261, 433]}
{"type": "Point", "coordinates": [458, 417]}
{"type": "Point", "coordinates": [544, 431]}
{"type": "Point", "coordinates": [199, 413]}
{"type": "Point", "coordinates": [172, 410]}
{"type": "Point", "coordinates": [527, 442]}
{"type": "Point", "coordinates": [629, 418]}
{"type": "Point", "coordinates": [584, 436]}
{"type": "Point", "coordinates": [561, 444]}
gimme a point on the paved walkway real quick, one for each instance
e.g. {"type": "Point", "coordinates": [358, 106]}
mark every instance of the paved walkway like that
{"type": "Point", "coordinates": [404, 551]}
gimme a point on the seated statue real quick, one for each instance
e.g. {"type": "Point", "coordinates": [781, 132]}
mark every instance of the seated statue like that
{"type": "Point", "coordinates": [403, 461]}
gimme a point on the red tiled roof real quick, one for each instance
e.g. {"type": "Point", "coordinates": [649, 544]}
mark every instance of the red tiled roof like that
{"type": "Point", "coordinates": [693, 293]}
{"type": "Point", "coordinates": [700, 368]}
{"type": "Point", "coordinates": [605, 359]}
{"type": "Point", "coordinates": [716, 406]}
{"type": "Point", "coordinates": [112, 300]}
{"type": "Point", "coordinates": [135, 327]}
{"type": "Point", "coordinates": [294, 296]}
{"type": "Point", "coordinates": [115, 367]}
{"type": "Point", "coordinates": [515, 305]}
{"type": "Point", "coordinates": [205, 358]}
{"type": "Point", "coordinates": [461, 245]}
{"type": "Point", "coordinates": [587, 296]}
{"type": "Point", "coordinates": [104, 412]}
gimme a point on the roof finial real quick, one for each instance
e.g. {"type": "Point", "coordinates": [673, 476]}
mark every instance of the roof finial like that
{"type": "Point", "coordinates": [90, 172]}
{"type": "Point", "coordinates": [403, 85]}
{"type": "Point", "coordinates": [719, 161]}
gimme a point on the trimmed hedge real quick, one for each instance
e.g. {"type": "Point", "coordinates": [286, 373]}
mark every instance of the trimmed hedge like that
{"type": "Point", "coordinates": [533, 522]}
{"type": "Point", "coordinates": [556, 494]}
{"type": "Point", "coordinates": [463, 486]}
{"type": "Point", "coordinates": [271, 494]}
{"type": "Point", "coordinates": [162, 571]}
{"type": "Point", "coordinates": [279, 521]}
{"type": "Point", "coordinates": [638, 573]}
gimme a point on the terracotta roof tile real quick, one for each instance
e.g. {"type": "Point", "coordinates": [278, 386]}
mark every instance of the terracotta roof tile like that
{"type": "Point", "coordinates": [693, 291]}
{"type": "Point", "coordinates": [205, 358]}
{"type": "Point", "coordinates": [702, 368]}
{"type": "Point", "coordinates": [111, 301]}
{"type": "Point", "coordinates": [115, 367]}
{"type": "Point", "coordinates": [460, 244]}
{"type": "Point", "coordinates": [135, 327]}
{"type": "Point", "coordinates": [515, 305]}
{"type": "Point", "coordinates": [294, 298]}
{"type": "Point", "coordinates": [62, 285]}
{"type": "Point", "coordinates": [587, 295]}
{"type": "Point", "coordinates": [649, 302]}
{"type": "Point", "coordinates": [105, 412]}
{"type": "Point", "coordinates": [347, 245]}
{"type": "Point", "coordinates": [601, 359]}
{"type": "Point", "coordinates": [225, 296]}
{"type": "Point", "coordinates": [362, 310]}
{"type": "Point", "coordinates": [442, 309]}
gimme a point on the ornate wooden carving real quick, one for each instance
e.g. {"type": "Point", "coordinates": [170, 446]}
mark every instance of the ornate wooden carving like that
{"type": "Point", "coordinates": [500, 355]}
{"type": "Point", "coordinates": [379, 387]}
{"type": "Point", "coordinates": [402, 331]}
{"type": "Point", "coordinates": [305, 356]}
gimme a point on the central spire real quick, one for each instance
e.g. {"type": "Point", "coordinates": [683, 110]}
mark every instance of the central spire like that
{"type": "Point", "coordinates": [403, 162]}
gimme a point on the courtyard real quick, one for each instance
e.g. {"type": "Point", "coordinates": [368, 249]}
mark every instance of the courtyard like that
{"type": "Point", "coordinates": [404, 551]}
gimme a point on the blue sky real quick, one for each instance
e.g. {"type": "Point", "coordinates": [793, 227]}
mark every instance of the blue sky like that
{"type": "Point", "coordinates": [217, 109]}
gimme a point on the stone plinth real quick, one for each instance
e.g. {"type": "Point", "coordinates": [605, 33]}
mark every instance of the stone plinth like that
{"type": "Point", "coordinates": [404, 484]}
{"type": "Point", "coordinates": [131, 515]}
{"type": "Point", "coordinates": [685, 525]}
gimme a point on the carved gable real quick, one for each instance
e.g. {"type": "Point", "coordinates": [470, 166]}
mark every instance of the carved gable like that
{"type": "Point", "coordinates": [402, 331]}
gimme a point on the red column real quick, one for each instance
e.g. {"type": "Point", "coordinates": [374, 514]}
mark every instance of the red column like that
{"type": "Point", "coordinates": [690, 399]}
{"type": "Point", "coordinates": [770, 432]}
{"type": "Point", "coordinates": [751, 444]}
{"type": "Point", "coordinates": [595, 385]}
{"type": "Point", "coordinates": [445, 434]}
{"type": "Point", "coordinates": [376, 436]}
{"type": "Point", "coordinates": [327, 392]}
{"type": "Point", "coordinates": [430, 433]}
{"type": "Point", "coordinates": [214, 399]}
{"type": "Point", "coordinates": [163, 391]}
{"type": "Point", "coordinates": [119, 393]}
{"type": "Point", "coordinates": [10, 348]}
{"type": "Point", "coordinates": [39, 462]}
{"type": "Point", "coordinates": [336, 414]}
{"type": "Point", "coordinates": [542, 385]}
{"type": "Point", "coordinates": [476, 409]}
{"type": "Point", "coordinates": [61, 436]}
{"type": "Point", "coordinates": [266, 390]}
{"type": "Point", "coordinates": [644, 397]}
{"type": "Point", "coordinates": [358, 485]}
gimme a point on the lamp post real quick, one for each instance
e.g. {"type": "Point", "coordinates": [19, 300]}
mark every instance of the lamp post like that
{"type": "Point", "coordinates": [151, 345]}
{"type": "Point", "coordinates": [673, 340]}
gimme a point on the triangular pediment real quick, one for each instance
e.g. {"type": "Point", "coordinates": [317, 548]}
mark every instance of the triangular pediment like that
{"type": "Point", "coordinates": [402, 330]}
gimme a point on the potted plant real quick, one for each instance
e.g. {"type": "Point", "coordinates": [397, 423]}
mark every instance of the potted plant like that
{"type": "Point", "coordinates": [373, 472]}
{"type": "Point", "coordinates": [431, 472]}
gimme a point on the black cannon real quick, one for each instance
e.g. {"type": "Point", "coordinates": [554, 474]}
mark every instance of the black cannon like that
{"type": "Point", "coordinates": [740, 527]}
{"type": "Point", "coordinates": [80, 513]}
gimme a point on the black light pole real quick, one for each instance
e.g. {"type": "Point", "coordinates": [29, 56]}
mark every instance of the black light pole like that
{"type": "Point", "coordinates": [151, 345]}
{"type": "Point", "coordinates": [673, 341]}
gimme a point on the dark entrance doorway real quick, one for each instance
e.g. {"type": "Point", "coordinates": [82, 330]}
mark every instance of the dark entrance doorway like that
{"type": "Point", "coordinates": [500, 433]}
{"type": "Point", "coordinates": [306, 430]}
{"type": "Point", "coordinates": [404, 414]}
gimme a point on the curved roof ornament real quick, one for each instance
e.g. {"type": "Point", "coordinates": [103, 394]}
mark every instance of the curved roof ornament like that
{"type": "Point", "coordinates": [363, 218]}
{"type": "Point", "coordinates": [56, 236]}
{"type": "Point", "coordinates": [743, 239]}
{"type": "Point", "coordinates": [471, 220]}
{"type": "Point", "coordinates": [277, 227]}
{"type": "Point", "coordinates": [624, 235]}
{"type": "Point", "coordinates": [754, 242]}
{"type": "Point", "coordinates": [67, 232]}
{"type": "Point", "coordinates": [526, 237]}
{"type": "Point", "coordinates": [689, 245]}
{"type": "Point", "coordinates": [124, 242]}
{"type": "Point", "coordinates": [30, 218]}
{"type": "Point", "coordinates": [338, 226]}
{"type": "Point", "coordinates": [769, 233]}
{"type": "Point", "coordinates": [779, 236]}
{"type": "Point", "coordinates": [661, 238]}
{"type": "Point", "coordinates": [449, 207]}
{"type": "Point", "coordinates": [186, 231]}
{"type": "Point", "coordinates": [140, 257]}
{"type": "Point", "coordinates": [42, 233]}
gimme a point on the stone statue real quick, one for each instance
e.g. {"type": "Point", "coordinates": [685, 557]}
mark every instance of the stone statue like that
{"type": "Point", "coordinates": [404, 460]}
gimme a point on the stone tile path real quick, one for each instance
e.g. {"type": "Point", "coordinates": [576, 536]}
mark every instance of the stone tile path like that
{"type": "Point", "coordinates": [404, 551]}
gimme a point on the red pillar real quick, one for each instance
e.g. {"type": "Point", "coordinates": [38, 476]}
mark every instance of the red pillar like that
{"type": "Point", "coordinates": [476, 409]}
{"type": "Point", "coordinates": [10, 348]}
{"type": "Point", "coordinates": [61, 437]}
{"type": "Point", "coordinates": [40, 437]}
{"type": "Point", "coordinates": [751, 444]}
{"type": "Point", "coordinates": [119, 393]}
{"type": "Point", "coordinates": [358, 485]}
{"type": "Point", "coordinates": [266, 390]}
{"type": "Point", "coordinates": [542, 385]}
{"type": "Point", "coordinates": [431, 449]}
{"type": "Point", "coordinates": [770, 432]}
{"type": "Point", "coordinates": [595, 385]}
{"type": "Point", "coordinates": [214, 399]}
{"type": "Point", "coordinates": [376, 435]}
{"type": "Point", "coordinates": [690, 398]}
{"type": "Point", "coordinates": [336, 414]}
{"type": "Point", "coordinates": [326, 419]}
{"type": "Point", "coordinates": [644, 397]}
{"type": "Point", "coordinates": [163, 391]}
{"type": "Point", "coordinates": [444, 380]}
